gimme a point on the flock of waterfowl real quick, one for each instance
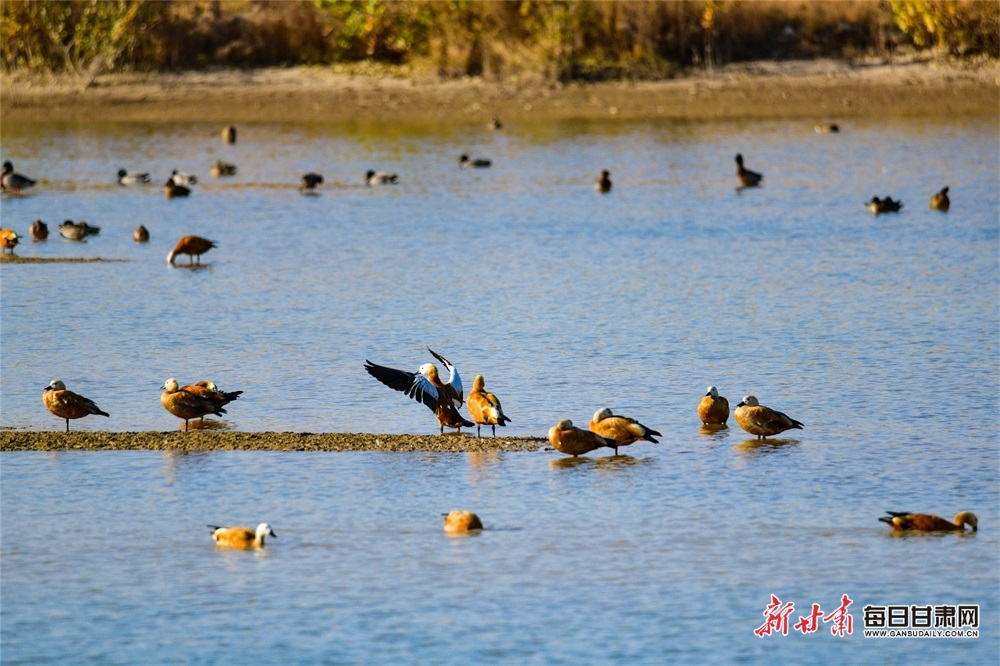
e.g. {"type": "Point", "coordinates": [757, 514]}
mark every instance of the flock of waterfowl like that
{"type": "Point", "coordinates": [464, 522]}
{"type": "Point", "coordinates": [455, 523]}
{"type": "Point", "coordinates": [606, 429]}
{"type": "Point", "coordinates": [443, 398]}
{"type": "Point", "coordinates": [179, 185]}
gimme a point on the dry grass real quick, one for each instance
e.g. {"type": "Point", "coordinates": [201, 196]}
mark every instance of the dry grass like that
{"type": "Point", "coordinates": [599, 39]}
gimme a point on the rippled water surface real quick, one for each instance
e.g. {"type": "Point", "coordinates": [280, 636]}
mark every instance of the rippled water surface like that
{"type": "Point", "coordinates": [880, 334]}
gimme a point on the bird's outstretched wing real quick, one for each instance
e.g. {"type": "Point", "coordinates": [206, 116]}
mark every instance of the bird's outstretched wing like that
{"type": "Point", "coordinates": [413, 384]}
{"type": "Point", "coordinates": [453, 379]}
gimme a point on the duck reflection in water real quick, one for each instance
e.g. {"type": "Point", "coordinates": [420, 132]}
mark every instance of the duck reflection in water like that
{"type": "Point", "coordinates": [612, 462]}
{"type": "Point", "coordinates": [764, 446]}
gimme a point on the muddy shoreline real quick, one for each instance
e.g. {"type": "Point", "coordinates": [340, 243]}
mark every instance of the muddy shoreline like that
{"type": "Point", "coordinates": [816, 91]}
{"type": "Point", "coordinates": [214, 440]}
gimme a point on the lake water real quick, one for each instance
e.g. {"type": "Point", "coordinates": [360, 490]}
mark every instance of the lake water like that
{"type": "Point", "coordinates": [880, 334]}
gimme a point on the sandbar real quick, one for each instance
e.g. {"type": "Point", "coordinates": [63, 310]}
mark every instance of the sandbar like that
{"type": "Point", "coordinates": [820, 91]}
{"type": "Point", "coordinates": [215, 440]}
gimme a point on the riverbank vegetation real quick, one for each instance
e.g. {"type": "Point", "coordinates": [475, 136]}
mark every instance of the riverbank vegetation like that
{"type": "Point", "coordinates": [595, 40]}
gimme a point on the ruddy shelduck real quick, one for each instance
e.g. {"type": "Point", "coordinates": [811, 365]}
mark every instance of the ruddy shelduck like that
{"type": "Point", "coordinates": [221, 168]}
{"type": "Point", "coordinates": [228, 134]}
{"type": "Point", "coordinates": [208, 390]}
{"type": "Point", "coordinates": [462, 521]}
{"type": "Point", "coordinates": [225, 397]}
{"type": "Point", "coordinates": [713, 408]}
{"type": "Point", "coordinates": [603, 182]}
{"type": "Point", "coordinates": [9, 239]}
{"type": "Point", "coordinates": [141, 235]}
{"type": "Point", "coordinates": [567, 438]}
{"type": "Point", "coordinates": [14, 182]}
{"type": "Point", "coordinates": [887, 205]}
{"type": "Point", "coordinates": [310, 181]}
{"type": "Point", "coordinates": [126, 178]}
{"type": "Point", "coordinates": [68, 405]}
{"type": "Point", "coordinates": [478, 163]}
{"type": "Point", "coordinates": [39, 230]}
{"type": "Point", "coordinates": [241, 537]}
{"type": "Point", "coordinates": [186, 405]}
{"type": "Point", "coordinates": [484, 407]}
{"type": "Point", "coordinates": [940, 201]}
{"type": "Point", "coordinates": [902, 520]}
{"type": "Point", "coordinates": [621, 430]}
{"type": "Point", "coordinates": [425, 385]}
{"type": "Point", "coordinates": [762, 421]}
{"type": "Point", "coordinates": [193, 246]}
{"type": "Point", "coordinates": [746, 177]}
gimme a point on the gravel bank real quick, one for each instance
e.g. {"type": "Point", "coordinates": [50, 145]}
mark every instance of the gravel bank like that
{"type": "Point", "coordinates": [259, 441]}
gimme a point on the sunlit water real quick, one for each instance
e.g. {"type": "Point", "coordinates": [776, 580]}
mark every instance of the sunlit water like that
{"type": "Point", "coordinates": [880, 334]}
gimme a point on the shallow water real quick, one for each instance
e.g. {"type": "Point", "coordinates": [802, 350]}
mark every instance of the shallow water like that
{"type": "Point", "coordinates": [880, 334]}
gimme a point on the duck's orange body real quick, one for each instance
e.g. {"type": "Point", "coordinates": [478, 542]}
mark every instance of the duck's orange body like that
{"type": "Point", "coordinates": [713, 408]}
{"type": "Point", "coordinates": [484, 407]}
{"type": "Point", "coordinates": [462, 521]}
{"type": "Point", "coordinates": [621, 430]}
{"type": "Point", "coordinates": [241, 537]}
{"type": "Point", "coordinates": [208, 390]}
{"type": "Point", "coordinates": [186, 405]}
{"type": "Point", "coordinates": [68, 405]}
{"type": "Point", "coordinates": [927, 523]}
{"type": "Point", "coordinates": [9, 239]}
{"type": "Point", "coordinates": [567, 438]}
{"type": "Point", "coordinates": [193, 246]}
{"type": "Point", "coordinates": [762, 421]}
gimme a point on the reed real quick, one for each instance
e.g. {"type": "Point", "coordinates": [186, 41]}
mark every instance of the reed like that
{"type": "Point", "coordinates": [557, 40]}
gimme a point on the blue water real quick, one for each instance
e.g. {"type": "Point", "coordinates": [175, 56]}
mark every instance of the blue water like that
{"type": "Point", "coordinates": [880, 334]}
{"type": "Point", "coordinates": [652, 558]}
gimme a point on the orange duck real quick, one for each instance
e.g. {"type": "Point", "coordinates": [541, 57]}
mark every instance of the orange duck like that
{"type": "Point", "coordinates": [621, 430]}
{"type": "Point", "coordinates": [762, 421]}
{"type": "Point", "coordinates": [462, 521]}
{"type": "Point", "coordinates": [208, 390]}
{"type": "Point", "coordinates": [902, 520]}
{"type": "Point", "coordinates": [484, 407]}
{"type": "Point", "coordinates": [241, 537]}
{"type": "Point", "coordinates": [186, 405]}
{"type": "Point", "coordinates": [713, 408]}
{"type": "Point", "coordinates": [425, 385]}
{"type": "Point", "coordinates": [9, 239]}
{"type": "Point", "coordinates": [567, 438]}
{"type": "Point", "coordinates": [193, 246]}
{"type": "Point", "coordinates": [66, 404]}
